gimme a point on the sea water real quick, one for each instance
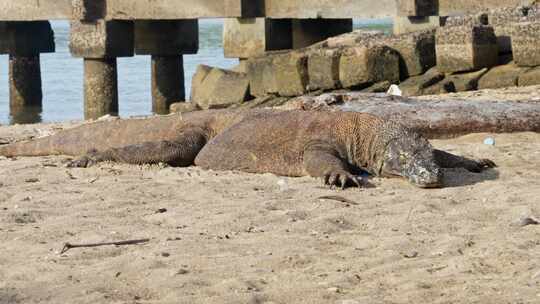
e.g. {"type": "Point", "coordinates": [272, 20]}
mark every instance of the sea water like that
{"type": "Point", "coordinates": [62, 75]}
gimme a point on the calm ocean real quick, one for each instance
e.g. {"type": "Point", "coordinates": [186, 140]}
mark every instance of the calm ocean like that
{"type": "Point", "coordinates": [62, 74]}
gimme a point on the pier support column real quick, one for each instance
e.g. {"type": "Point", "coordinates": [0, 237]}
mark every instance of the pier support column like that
{"type": "Point", "coordinates": [100, 42]}
{"type": "Point", "coordinates": [167, 41]}
{"type": "Point", "coordinates": [24, 41]}
{"type": "Point", "coordinates": [167, 82]}
{"type": "Point", "coordinates": [100, 87]}
{"type": "Point", "coordinates": [249, 37]}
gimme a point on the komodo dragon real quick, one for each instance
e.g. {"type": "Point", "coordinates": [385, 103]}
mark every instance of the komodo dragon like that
{"type": "Point", "coordinates": [329, 145]}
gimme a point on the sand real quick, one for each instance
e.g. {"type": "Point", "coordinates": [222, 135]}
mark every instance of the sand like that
{"type": "Point", "coordinates": [230, 237]}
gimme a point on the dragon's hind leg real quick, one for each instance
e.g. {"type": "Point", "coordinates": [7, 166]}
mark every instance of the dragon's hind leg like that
{"type": "Point", "coordinates": [180, 152]}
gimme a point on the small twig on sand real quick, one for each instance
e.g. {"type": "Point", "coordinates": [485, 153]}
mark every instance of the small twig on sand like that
{"type": "Point", "coordinates": [68, 246]}
{"type": "Point", "coordinates": [338, 198]}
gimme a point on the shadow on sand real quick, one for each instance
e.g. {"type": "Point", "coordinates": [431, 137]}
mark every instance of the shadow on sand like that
{"type": "Point", "coordinates": [461, 177]}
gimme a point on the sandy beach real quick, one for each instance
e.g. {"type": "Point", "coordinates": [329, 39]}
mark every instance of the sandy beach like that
{"type": "Point", "coordinates": [230, 237]}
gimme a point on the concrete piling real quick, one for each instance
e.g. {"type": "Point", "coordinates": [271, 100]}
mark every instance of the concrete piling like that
{"type": "Point", "coordinates": [167, 82]}
{"type": "Point", "coordinates": [166, 41]}
{"type": "Point", "coordinates": [100, 87]}
{"type": "Point", "coordinates": [24, 82]}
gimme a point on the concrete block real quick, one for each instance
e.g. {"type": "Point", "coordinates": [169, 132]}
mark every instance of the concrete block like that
{"type": "Point", "coordinates": [32, 10]}
{"type": "Point", "coordinates": [262, 78]}
{"type": "Point", "coordinates": [26, 38]}
{"type": "Point", "coordinates": [361, 66]}
{"type": "Point", "coordinates": [530, 77]}
{"type": "Point", "coordinates": [323, 69]}
{"type": "Point", "coordinates": [416, 51]}
{"type": "Point", "coordinates": [466, 48]}
{"type": "Point", "coordinates": [166, 37]}
{"type": "Point", "coordinates": [461, 7]}
{"type": "Point", "coordinates": [291, 73]}
{"type": "Point", "coordinates": [466, 81]}
{"type": "Point", "coordinates": [353, 38]}
{"type": "Point", "coordinates": [197, 80]}
{"type": "Point", "coordinates": [416, 85]}
{"type": "Point", "coordinates": [88, 10]}
{"type": "Point", "coordinates": [525, 37]}
{"type": "Point", "coordinates": [306, 32]}
{"type": "Point", "coordinates": [417, 8]}
{"type": "Point", "coordinates": [469, 20]}
{"type": "Point", "coordinates": [101, 39]}
{"type": "Point", "coordinates": [502, 76]}
{"type": "Point", "coordinates": [403, 25]}
{"type": "Point", "coordinates": [221, 88]}
{"type": "Point", "coordinates": [249, 37]}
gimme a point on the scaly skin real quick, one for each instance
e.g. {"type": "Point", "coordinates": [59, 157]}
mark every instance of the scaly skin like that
{"type": "Point", "coordinates": [333, 146]}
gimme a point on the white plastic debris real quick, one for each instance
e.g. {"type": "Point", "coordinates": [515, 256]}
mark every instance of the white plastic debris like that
{"type": "Point", "coordinates": [490, 141]}
{"type": "Point", "coordinates": [394, 90]}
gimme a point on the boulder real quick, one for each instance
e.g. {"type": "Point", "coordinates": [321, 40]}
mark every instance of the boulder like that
{"type": "Point", "coordinates": [323, 69]}
{"type": "Point", "coordinates": [530, 77]}
{"type": "Point", "coordinates": [219, 88]}
{"type": "Point", "coordinates": [416, 85]}
{"type": "Point", "coordinates": [291, 73]}
{"type": "Point", "coordinates": [467, 81]}
{"type": "Point", "coordinates": [364, 65]}
{"type": "Point", "coordinates": [262, 80]}
{"type": "Point", "coordinates": [465, 48]}
{"type": "Point", "coordinates": [525, 37]}
{"type": "Point", "coordinates": [501, 76]}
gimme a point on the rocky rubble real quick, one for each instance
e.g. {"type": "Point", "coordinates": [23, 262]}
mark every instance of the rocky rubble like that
{"type": "Point", "coordinates": [491, 49]}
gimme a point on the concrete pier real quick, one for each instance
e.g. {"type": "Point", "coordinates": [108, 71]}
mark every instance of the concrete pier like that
{"type": "Point", "coordinates": [24, 82]}
{"type": "Point", "coordinates": [166, 41]}
{"type": "Point", "coordinates": [167, 82]}
{"type": "Point", "coordinates": [100, 87]}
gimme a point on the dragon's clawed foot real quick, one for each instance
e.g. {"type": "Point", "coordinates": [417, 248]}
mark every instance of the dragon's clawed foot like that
{"type": "Point", "coordinates": [341, 178]}
{"type": "Point", "coordinates": [85, 161]}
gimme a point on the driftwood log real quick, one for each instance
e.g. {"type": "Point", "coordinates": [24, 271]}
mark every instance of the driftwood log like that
{"type": "Point", "coordinates": [435, 118]}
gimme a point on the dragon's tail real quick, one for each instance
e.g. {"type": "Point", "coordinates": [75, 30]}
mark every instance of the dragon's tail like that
{"type": "Point", "coordinates": [34, 147]}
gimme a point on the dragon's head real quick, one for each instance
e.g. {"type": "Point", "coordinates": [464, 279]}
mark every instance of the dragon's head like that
{"type": "Point", "coordinates": [412, 157]}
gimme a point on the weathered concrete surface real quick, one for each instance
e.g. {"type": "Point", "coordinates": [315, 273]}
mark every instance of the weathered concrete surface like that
{"type": "Point", "coordinates": [166, 37]}
{"type": "Point", "coordinates": [466, 81]}
{"type": "Point", "coordinates": [329, 9]}
{"type": "Point", "coordinates": [457, 7]}
{"type": "Point", "coordinates": [249, 37]}
{"type": "Point", "coordinates": [417, 7]}
{"type": "Point", "coordinates": [501, 77]}
{"type": "Point", "coordinates": [262, 78]}
{"type": "Point", "coordinates": [323, 69]}
{"type": "Point", "coordinates": [30, 10]}
{"type": "Point", "coordinates": [21, 10]}
{"type": "Point", "coordinates": [220, 88]}
{"type": "Point", "coordinates": [88, 10]}
{"type": "Point", "coordinates": [167, 82]}
{"type": "Point", "coordinates": [416, 85]}
{"type": "Point", "coordinates": [100, 88]}
{"type": "Point", "coordinates": [167, 9]}
{"type": "Point", "coordinates": [24, 82]}
{"type": "Point", "coordinates": [529, 78]}
{"type": "Point", "coordinates": [360, 66]}
{"type": "Point", "coordinates": [306, 32]}
{"type": "Point", "coordinates": [101, 39]}
{"type": "Point", "coordinates": [184, 107]}
{"type": "Point", "coordinates": [465, 48]}
{"type": "Point", "coordinates": [525, 37]}
{"type": "Point", "coordinates": [403, 25]}
{"type": "Point", "coordinates": [291, 73]}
